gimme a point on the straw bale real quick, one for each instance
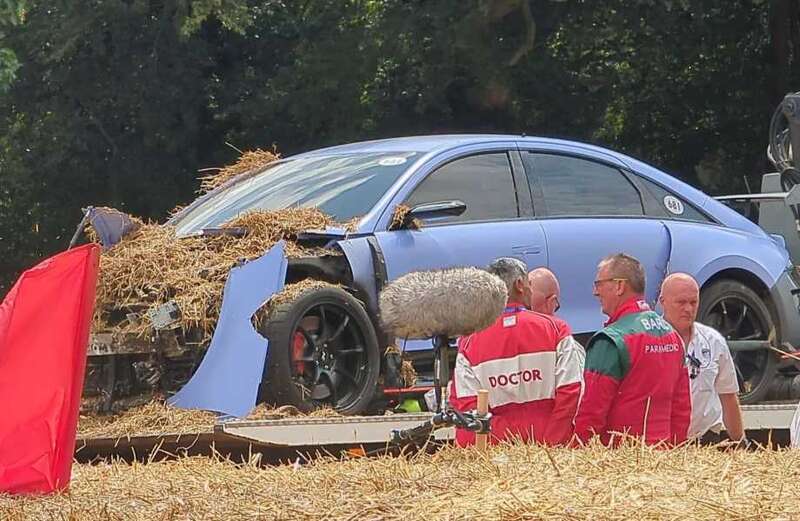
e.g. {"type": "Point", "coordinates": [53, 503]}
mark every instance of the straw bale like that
{"type": "Point", "coordinates": [152, 266]}
{"type": "Point", "coordinates": [250, 160]}
{"type": "Point", "coordinates": [509, 482]}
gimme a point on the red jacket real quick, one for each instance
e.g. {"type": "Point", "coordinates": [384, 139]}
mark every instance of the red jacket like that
{"type": "Point", "coordinates": [532, 368]}
{"type": "Point", "coordinates": [636, 379]}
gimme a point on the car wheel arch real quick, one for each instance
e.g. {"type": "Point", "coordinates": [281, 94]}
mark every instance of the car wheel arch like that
{"type": "Point", "coordinates": [748, 278]}
{"type": "Point", "coordinates": [736, 267]}
{"type": "Point", "coordinates": [752, 281]}
{"type": "Point", "coordinates": [335, 269]}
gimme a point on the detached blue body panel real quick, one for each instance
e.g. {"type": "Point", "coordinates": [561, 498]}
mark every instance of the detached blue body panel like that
{"type": "Point", "coordinates": [228, 378]}
{"type": "Point", "coordinates": [111, 225]}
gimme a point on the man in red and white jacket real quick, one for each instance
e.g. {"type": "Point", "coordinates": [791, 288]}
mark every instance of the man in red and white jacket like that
{"type": "Point", "coordinates": [530, 364]}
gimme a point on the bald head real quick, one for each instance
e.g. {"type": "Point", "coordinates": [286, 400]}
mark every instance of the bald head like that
{"type": "Point", "coordinates": [545, 291]}
{"type": "Point", "coordinates": [680, 298]}
{"type": "Point", "coordinates": [679, 282]}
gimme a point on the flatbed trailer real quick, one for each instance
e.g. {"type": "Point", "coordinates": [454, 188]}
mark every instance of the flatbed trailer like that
{"type": "Point", "coordinates": [286, 440]}
{"type": "Point", "coordinates": [759, 420]}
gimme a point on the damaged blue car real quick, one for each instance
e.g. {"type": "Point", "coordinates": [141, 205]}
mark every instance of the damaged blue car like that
{"type": "Point", "coordinates": [462, 200]}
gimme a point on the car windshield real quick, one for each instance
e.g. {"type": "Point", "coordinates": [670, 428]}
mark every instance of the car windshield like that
{"type": "Point", "coordinates": [342, 186]}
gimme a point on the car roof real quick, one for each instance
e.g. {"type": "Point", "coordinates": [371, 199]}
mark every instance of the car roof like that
{"type": "Point", "coordinates": [432, 144]}
{"type": "Point", "coordinates": [436, 143]}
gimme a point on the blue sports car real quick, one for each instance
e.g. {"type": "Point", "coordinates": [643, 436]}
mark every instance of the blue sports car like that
{"type": "Point", "coordinates": [549, 202]}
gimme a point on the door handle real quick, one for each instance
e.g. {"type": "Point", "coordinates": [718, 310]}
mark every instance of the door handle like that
{"type": "Point", "coordinates": [527, 249]}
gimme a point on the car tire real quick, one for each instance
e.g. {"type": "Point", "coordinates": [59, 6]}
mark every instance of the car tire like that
{"type": "Point", "coordinates": [323, 352]}
{"type": "Point", "coordinates": [738, 313]}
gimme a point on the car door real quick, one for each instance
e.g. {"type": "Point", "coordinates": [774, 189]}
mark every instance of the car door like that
{"type": "Point", "coordinates": [589, 209]}
{"type": "Point", "coordinates": [497, 220]}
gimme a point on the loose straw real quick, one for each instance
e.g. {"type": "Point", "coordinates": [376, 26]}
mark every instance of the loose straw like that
{"type": "Point", "coordinates": [507, 482]}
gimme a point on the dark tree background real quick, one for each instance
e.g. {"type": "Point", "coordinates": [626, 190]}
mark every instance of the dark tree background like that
{"type": "Point", "coordinates": [120, 102]}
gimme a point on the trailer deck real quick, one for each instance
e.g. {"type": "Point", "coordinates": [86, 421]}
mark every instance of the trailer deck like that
{"type": "Point", "coordinates": [287, 439]}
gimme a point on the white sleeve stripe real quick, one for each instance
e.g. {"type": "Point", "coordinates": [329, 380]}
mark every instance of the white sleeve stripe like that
{"type": "Point", "coordinates": [466, 383]}
{"type": "Point", "coordinates": [570, 359]}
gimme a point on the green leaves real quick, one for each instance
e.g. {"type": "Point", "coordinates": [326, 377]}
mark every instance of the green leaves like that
{"type": "Point", "coordinates": [120, 102]}
{"type": "Point", "coordinates": [9, 65]}
{"type": "Point", "coordinates": [235, 15]}
{"type": "Point", "coordinates": [12, 12]}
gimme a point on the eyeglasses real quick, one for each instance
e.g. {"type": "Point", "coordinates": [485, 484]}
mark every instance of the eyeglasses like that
{"type": "Point", "coordinates": [600, 281]}
{"type": "Point", "coordinates": [558, 303]}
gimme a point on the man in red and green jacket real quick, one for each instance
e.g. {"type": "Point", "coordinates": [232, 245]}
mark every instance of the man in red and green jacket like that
{"type": "Point", "coordinates": [635, 376]}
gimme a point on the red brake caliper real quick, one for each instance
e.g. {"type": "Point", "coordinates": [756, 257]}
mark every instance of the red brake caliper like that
{"type": "Point", "coordinates": [298, 351]}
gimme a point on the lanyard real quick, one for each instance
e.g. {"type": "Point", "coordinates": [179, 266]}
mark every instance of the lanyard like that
{"type": "Point", "coordinates": [514, 309]}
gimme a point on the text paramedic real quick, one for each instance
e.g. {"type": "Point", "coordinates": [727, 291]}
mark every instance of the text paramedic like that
{"type": "Point", "coordinates": [636, 382]}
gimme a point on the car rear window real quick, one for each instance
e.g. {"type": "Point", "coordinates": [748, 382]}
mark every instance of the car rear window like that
{"type": "Point", "coordinates": [666, 204]}
{"type": "Point", "coordinates": [573, 186]}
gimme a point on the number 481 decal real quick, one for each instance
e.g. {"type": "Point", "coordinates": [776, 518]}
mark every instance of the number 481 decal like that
{"type": "Point", "coordinates": [673, 205]}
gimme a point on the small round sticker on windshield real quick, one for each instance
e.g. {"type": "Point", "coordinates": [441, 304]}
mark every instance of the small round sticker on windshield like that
{"type": "Point", "coordinates": [673, 205]}
{"type": "Point", "coordinates": [392, 161]}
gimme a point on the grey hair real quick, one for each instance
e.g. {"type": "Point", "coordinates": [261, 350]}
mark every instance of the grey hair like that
{"type": "Point", "coordinates": [628, 268]}
{"type": "Point", "coordinates": [509, 270]}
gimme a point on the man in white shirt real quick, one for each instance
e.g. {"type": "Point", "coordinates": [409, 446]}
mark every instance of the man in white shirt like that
{"type": "Point", "coordinates": [714, 388]}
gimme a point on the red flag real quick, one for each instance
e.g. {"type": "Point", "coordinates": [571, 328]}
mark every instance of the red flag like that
{"type": "Point", "coordinates": [44, 330]}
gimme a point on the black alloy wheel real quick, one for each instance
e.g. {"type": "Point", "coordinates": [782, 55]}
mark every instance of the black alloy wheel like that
{"type": "Point", "coordinates": [738, 313]}
{"type": "Point", "coordinates": [323, 352]}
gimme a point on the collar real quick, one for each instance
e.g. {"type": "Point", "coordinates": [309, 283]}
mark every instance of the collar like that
{"type": "Point", "coordinates": [698, 338]}
{"type": "Point", "coordinates": [694, 338]}
{"type": "Point", "coordinates": [635, 304]}
{"type": "Point", "coordinates": [514, 307]}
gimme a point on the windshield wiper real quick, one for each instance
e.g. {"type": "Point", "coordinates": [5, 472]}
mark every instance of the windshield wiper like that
{"type": "Point", "coordinates": [216, 231]}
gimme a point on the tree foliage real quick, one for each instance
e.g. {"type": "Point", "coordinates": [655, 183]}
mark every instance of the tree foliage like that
{"type": "Point", "coordinates": [12, 13]}
{"type": "Point", "coordinates": [120, 102]}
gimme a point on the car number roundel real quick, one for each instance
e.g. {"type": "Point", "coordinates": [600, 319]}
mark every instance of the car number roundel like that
{"type": "Point", "coordinates": [673, 205]}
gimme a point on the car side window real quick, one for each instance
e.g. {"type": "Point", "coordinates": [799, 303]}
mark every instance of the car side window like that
{"type": "Point", "coordinates": [573, 186]}
{"type": "Point", "coordinates": [483, 182]}
{"type": "Point", "coordinates": [666, 204]}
